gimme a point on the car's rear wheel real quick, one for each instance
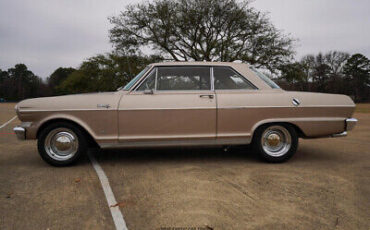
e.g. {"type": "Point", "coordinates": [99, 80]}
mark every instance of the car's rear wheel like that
{"type": "Point", "coordinates": [61, 144]}
{"type": "Point", "coordinates": [275, 142]}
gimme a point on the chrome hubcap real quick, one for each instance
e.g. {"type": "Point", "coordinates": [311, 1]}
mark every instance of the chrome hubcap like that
{"type": "Point", "coordinates": [61, 144]}
{"type": "Point", "coordinates": [276, 141]}
{"type": "Point", "coordinates": [273, 140]}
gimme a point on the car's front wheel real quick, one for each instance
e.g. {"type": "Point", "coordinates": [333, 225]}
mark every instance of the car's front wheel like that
{"type": "Point", "coordinates": [275, 142]}
{"type": "Point", "coordinates": [61, 144]}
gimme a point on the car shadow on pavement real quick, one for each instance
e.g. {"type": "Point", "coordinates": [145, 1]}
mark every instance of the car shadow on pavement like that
{"type": "Point", "coordinates": [192, 154]}
{"type": "Point", "coordinates": [188, 154]}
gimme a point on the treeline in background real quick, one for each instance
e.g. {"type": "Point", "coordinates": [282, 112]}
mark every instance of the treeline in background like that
{"type": "Point", "coordinates": [196, 30]}
{"type": "Point", "coordinates": [333, 72]}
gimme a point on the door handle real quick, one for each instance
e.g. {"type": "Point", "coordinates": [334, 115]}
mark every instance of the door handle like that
{"type": "Point", "coordinates": [103, 106]}
{"type": "Point", "coordinates": [207, 95]}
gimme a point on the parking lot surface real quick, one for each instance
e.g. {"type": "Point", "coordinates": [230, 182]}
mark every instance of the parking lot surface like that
{"type": "Point", "coordinates": [326, 185]}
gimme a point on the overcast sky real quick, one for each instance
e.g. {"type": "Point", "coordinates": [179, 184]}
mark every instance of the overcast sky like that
{"type": "Point", "coordinates": [47, 34]}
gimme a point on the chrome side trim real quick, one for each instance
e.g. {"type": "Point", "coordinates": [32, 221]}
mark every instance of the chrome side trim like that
{"type": "Point", "coordinates": [183, 108]}
{"type": "Point", "coordinates": [125, 138]}
{"type": "Point", "coordinates": [65, 110]}
{"type": "Point", "coordinates": [106, 106]}
{"type": "Point", "coordinates": [233, 107]}
{"type": "Point", "coordinates": [233, 135]}
{"type": "Point", "coordinates": [342, 134]}
{"type": "Point", "coordinates": [281, 106]}
{"type": "Point", "coordinates": [351, 123]}
{"type": "Point", "coordinates": [20, 132]}
{"type": "Point", "coordinates": [176, 143]}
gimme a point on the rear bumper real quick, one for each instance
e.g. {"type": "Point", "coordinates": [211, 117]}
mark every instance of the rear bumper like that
{"type": "Point", "coordinates": [342, 134]}
{"type": "Point", "coordinates": [20, 132]}
{"type": "Point", "coordinates": [350, 123]}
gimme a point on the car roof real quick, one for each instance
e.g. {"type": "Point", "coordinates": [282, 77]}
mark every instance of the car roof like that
{"type": "Point", "coordinates": [199, 63]}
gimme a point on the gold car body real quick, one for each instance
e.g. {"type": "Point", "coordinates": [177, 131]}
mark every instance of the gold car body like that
{"type": "Point", "coordinates": [134, 118]}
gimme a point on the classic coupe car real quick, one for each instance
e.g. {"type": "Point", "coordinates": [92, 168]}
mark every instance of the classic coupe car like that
{"type": "Point", "coordinates": [182, 104]}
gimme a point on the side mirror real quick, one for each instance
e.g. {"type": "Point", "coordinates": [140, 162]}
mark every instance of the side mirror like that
{"type": "Point", "coordinates": [148, 91]}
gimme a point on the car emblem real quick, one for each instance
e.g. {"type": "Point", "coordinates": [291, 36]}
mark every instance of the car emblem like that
{"type": "Point", "coordinates": [296, 102]}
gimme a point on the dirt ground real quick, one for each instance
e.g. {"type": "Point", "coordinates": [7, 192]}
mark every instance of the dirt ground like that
{"type": "Point", "coordinates": [326, 185]}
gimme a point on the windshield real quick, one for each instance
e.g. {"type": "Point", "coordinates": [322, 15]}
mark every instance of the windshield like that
{"type": "Point", "coordinates": [266, 79]}
{"type": "Point", "coordinates": [135, 79]}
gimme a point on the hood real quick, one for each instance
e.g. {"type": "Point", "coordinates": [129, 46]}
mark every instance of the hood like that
{"type": "Point", "coordinates": [69, 102]}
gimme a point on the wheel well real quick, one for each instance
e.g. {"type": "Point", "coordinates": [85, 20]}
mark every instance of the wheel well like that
{"type": "Point", "coordinates": [297, 129]}
{"type": "Point", "coordinates": [90, 139]}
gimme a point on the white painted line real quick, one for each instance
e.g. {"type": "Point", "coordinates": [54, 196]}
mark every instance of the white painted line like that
{"type": "Point", "coordinates": [6, 123]}
{"type": "Point", "coordinates": [118, 220]}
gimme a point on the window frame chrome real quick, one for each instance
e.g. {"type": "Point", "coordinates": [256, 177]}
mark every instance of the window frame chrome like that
{"type": "Point", "coordinates": [212, 80]}
{"type": "Point", "coordinates": [140, 81]}
{"type": "Point", "coordinates": [156, 80]}
{"type": "Point", "coordinates": [181, 91]}
{"type": "Point", "coordinates": [259, 73]}
{"type": "Point", "coordinates": [145, 77]}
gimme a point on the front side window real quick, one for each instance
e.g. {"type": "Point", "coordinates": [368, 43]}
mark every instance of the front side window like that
{"type": "Point", "coordinates": [135, 79]}
{"type": "Point", "coordinates": [183, 78]}
{"type": "Point", "coordinates": [226, 78]}
{"type": "Point", "coordinates": [149, 82]}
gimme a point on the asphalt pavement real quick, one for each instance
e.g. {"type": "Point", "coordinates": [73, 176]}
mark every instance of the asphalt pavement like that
{"type": "Point", "coordinates": [326, 185]}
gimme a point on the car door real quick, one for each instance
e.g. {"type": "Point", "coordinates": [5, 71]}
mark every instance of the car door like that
{"type": "Point", "coordinates": [172, 103]}
{"type": "Point", "coordinates": [233, 92]}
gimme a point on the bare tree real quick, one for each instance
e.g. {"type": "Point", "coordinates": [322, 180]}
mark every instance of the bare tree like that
{"type": "Point", "coordinates": [336, 60]}
{"type": "Point", "coordinates": [211, 30]}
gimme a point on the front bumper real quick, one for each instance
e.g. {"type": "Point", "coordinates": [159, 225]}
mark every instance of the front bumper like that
{"type": "Point", "coordinates": [20, 132]}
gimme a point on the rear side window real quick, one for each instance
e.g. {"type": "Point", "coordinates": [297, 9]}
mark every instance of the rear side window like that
{"type": "Point", "coordinates": [227, 78]}
{"type": "Point", "coordinates": [266, 79]}
{"type": "Point", "coordinates": [183, 78]}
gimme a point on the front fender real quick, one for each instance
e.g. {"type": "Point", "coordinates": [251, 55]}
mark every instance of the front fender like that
{"type": "Point", "coordinates": [102, 124]}
{"type": "Point", "coordinates": [33, 130]}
